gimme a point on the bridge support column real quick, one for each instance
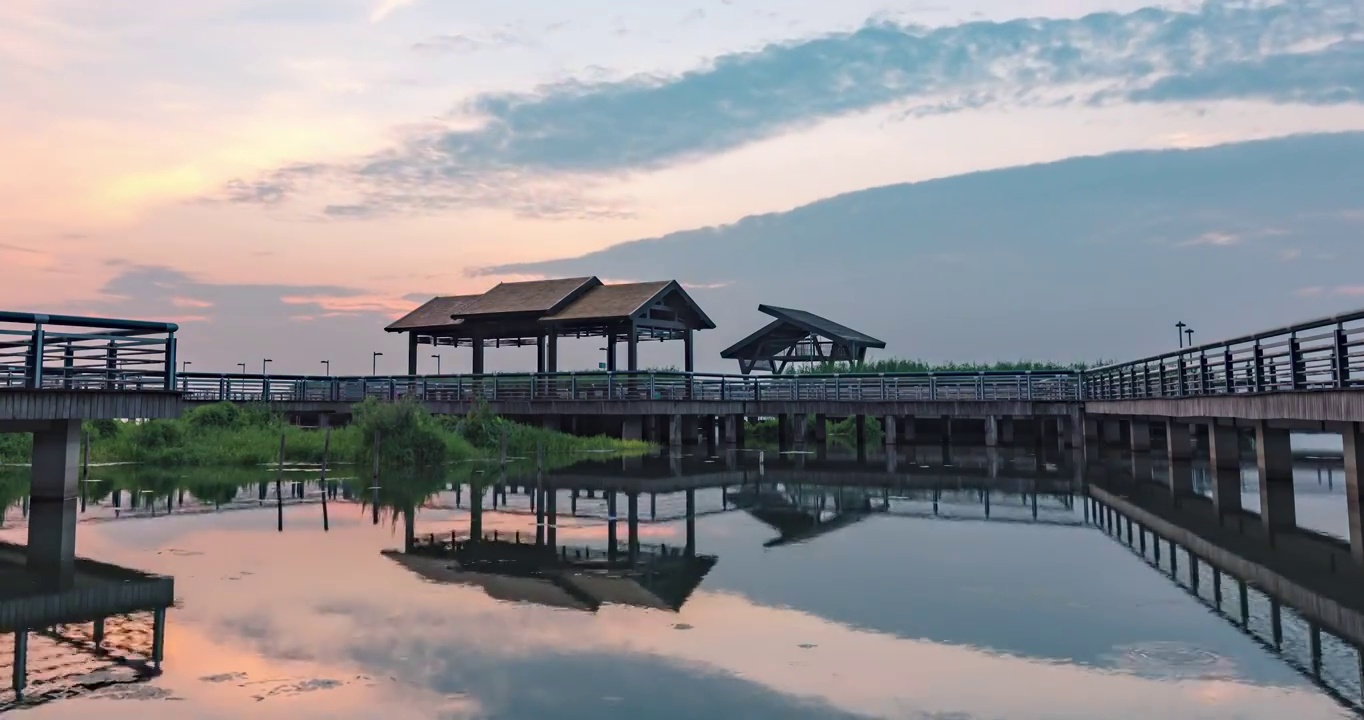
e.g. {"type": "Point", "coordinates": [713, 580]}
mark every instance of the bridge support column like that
{"type": "Point", "coordinates": [890, 430]}
{"type": "Point", "coordinates": [991, 431]}
{"type": "Point", "coordinates": [1112, 431]}
{"type": "Point", "coordinates": [801, 428]}
{"type": "Point", "coordinates": [674, 431]}
{"type": "Point", "coordinates": [691, 425]}
{"type": "Point", "coordinates": [1006, 430]}
{"type": "Point", "coordinates": [1178, 441]}
{"type": "Point", "coordinates": [860, 422]}
{"type": "Point", "coordinates": [783, 430]}
{"type": "Point", "coordinates": [1224, 462]}
{"type": "Point", "coordinates": [907, 430]}
{"type": "Point", "coordinates": [54, 486]}
{"type": "Point", "coordinates": [708, 430]}
{"type": "Point", "coordinates": [1091, 428]}
{"type": "Point", "coordinates": [1274, 459]}
{"type": "Point", "coordinates": [734, 429]}
{"type": "Point", "coordinates": [1354, 475]}
{"type": "Point", "coordinates": [632, 427]}
{"type": "Point", "coordinates": [1140, 435]}
{"type": "Point", "coordinates": [821, 428]}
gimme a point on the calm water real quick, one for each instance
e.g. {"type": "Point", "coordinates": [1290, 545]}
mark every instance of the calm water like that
{"type": "Point", "coordinates": [822, 602]}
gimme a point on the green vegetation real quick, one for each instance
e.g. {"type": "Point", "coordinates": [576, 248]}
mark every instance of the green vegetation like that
{"type": "Point", "coordinates": [903, 365]}
{"type": "Point", "coordinates": [225, 434]}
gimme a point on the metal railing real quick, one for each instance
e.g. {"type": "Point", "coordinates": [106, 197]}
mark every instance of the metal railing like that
{"type": "Point", "coordinates": [1325, 354]}
{"type": "Point", "coordinates": [637, 386]}
{"type": "Point", "coordinates": [84, 353]}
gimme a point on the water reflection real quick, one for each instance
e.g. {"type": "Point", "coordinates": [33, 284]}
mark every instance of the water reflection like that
{"type": "Point", "coordinates": [912, 584]}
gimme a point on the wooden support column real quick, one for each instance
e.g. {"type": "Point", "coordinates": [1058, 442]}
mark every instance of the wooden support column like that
{"type": "Point", "coordinates": [1354, 473]}
{"type": "Point", "coordinates": [552, 350]}
{"type": "Point", "coordinates": [412, 353]}
{"type": "Point", "coordinates": [1274, 460]}
{"type": "Point", "coordinates": [688, 352]}
{"type": "Point", "coordinates": [632, 349]}
{"type": "Point", "coordinates": [540, 363]}
{"type": "Point", "coordinates": [611, 352]}
{"type": "Point", "coordinates": [1225, 465]}
{"type": "Point", "coordinates": [478, 353]}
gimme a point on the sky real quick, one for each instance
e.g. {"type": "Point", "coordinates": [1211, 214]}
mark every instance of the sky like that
{"type": "Point", "coordinates": [284, 177]}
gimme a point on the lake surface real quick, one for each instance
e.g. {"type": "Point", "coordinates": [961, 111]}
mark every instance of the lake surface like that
{"type": "Point", "coordinates": [809, 589]}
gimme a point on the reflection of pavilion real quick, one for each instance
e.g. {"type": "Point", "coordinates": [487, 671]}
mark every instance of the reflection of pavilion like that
{"type": "Point", "coordinates": [51, 599]}
{"type": "Point", "coordinates": [543, 572]}
{"type": "Point", "coordinates": [803, 512]}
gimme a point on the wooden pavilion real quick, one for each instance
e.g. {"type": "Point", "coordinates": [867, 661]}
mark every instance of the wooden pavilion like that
{"type": "Point", "coordinates": [539, 312]}
{"type": "Point", "coordinates": [797, 336]}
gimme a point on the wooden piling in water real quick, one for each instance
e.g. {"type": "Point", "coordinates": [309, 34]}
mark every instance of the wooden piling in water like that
{"type": "Point", "coordinates": [374, 482]}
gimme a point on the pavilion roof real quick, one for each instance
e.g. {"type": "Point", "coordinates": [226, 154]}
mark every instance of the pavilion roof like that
{"type": "Point", "coordinates": [791, 326]}
{"type": "Point", "coordinates": [539, 297]}
{"type": "Point", "coordinates": [436, 312]}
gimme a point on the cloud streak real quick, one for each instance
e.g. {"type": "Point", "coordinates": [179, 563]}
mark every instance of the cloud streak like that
{"type": "Point", "coordinates": [532, 150]}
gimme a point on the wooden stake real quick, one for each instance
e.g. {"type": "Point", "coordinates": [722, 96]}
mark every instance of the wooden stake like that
{"type": "Point", "coordinates": [279, 481]}
{"type": "Point", "coordinates": [326, 449]}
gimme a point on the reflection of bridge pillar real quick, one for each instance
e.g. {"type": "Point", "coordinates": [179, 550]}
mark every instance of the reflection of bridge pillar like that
{"type": "Point", "coordinates": [1274, 459]}
{"type": "Point", "coordinates": [992, 462]}
{"type": "Point", "coordinates": [20, 661]}
{"type": "Point", "coordinates": [1140, 435]}
{"type": "Point", "coordinates": [1178, 441]}
{"type": "Point", "coordinates": [1354, 472]}
{"type": "Point", "coordinates": [552, 521]}
{"type": "Point", "coordinates": [632, 524]}
{"type": "Point", "coordinates": [991, 431]}
{"type": "Point", "coordinates": [475, 511]}
{"type": "Point", "coordinates": [892, 461]}
{"type": "Point", "coordinates": [611, 540]}
{"type": "Point", "coordinates": [890, 430]}
{"type": "Point", "coordinates": [1224, 444]}
{"type": "Point", "coordinates": [691, 523]}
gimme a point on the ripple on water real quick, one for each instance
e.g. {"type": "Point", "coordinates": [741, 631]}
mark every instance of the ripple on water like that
{"type": "Point", "coordinates": [1170, 660]}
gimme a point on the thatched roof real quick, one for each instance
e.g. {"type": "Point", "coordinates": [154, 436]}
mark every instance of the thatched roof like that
{"type": "Point", "coordinates": [436, 312]}
{"type": "Point", "coordinates": [531, 297]}
{"type": "Point", "coordinates": [611, 301]}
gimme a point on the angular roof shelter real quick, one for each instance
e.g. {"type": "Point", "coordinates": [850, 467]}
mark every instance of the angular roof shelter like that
{"type": "Point", "coordinates": [798, 336]}
{"type": "Point", "coordinates": [541, 311]}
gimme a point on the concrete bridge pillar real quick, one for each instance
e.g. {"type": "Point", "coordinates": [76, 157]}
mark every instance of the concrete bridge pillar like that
{"type": "Point", "coordinates": [907, 430]}
{"type": "Point", "coordinates": [783, 430]}
{"type": "Point", "coordinates": [734, 429]}
{"type": "Point", "coordinates": [991, 431]}
{"type": "Point", "coordinates": [801, 428]}
{"type": "Point", "coordinates": [1091, 428]}
{"type": "Point", "coordinates": [860, 422]}
{"type": "Point", "coordinates": [1178, 441]}
{"type": "Point", "coordinates": [675, 431]}
{"type": "Point", "coordinates": [1140, 435]}
{"type": "Point", "coordinates": [708, 429]}
{"type": "Point", "coordinates": [946, 429]}
{"type": "Point", "coordinates": [890, 430]}
{"type": "Point", "coordinates": [821, 428]}
{"type": "Point", "coordinates": [1224, 461]}
{"type": "Point", "coordinates": [1274, 459]}
{"type": "Point", "coordinates": [1006, 430]}
{"type": "Point", "coordinates": [54, 489]}
{"type": "Point", "coordinates": [632, 427]}
{"type": "Point", "coordinates": [1354, 473]}
{"type": "Point", "coordinates": [1112, 431]}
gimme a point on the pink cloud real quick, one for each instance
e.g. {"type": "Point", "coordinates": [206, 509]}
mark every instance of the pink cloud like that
{"type": "Point", "coordinates": [185, 302]}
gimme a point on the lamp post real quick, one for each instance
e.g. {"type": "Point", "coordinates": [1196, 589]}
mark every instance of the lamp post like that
{"type": "Point", "coordinates": [374, 363]}
{"type": "Point", "coordinates": [437, 357]}
{"type": "Point", "coordinates": [184, 365]}
{"type": "Point", "coordinates": [243, 367]}
{"type": "Point", "coordinates": [1189, 332]}
{"type": "Point", "coordinates": [328, 364]}
{"type": "Point", "coordinates": [1179, 332]}
{"type": "Point", "coordinates": [263, 363]}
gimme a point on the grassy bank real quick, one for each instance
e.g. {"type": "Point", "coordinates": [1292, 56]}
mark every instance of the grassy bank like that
{"type": "Point", "coordinates": [230, 435]}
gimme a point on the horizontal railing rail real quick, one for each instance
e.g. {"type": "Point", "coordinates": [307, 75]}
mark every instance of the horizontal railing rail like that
{"type": "Point", "coordinates": [635, 386]}
{"type": "Point", "coordinates": [1324, 354]}
{"type": "Point", "coordinates": [70, 352]}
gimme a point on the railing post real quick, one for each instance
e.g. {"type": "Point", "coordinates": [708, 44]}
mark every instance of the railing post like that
{"type": "Point", "coordinates": [170, 361]}
{"type": "Point", "coordinates": [932, 386]}
{"type": "Point", "coordinates": [1259, 368]}
{"type": "Point", "coordinates": [573, 386]}
{"type": "Point", "coordinates": [495, 388]}
{"type": "Point", "coordinates": [33, 374]}
{"type": "Point", "coordinates": [1183, 388]}
{"type": "Point", "coordinates": [838, 388]}
{"type": "Point", "coordinates": [110, 365]}
{"type": "Point", "coordinates": [68, 364]}
{"type": "Point", "coordinates": [1342, 357]}
{"type": "Point", "coordinates": [610, 385]}
{"type": "Point", "coordinates": [723, 390]}
{"type": "Point", "coordinates": [1229, 372]}
{"type": "Point", "coordinates": [392, 390]}
{"type": "Point", "coordinates": [1296, 365]}
{"type": "Point", "coordinates": [883, 388]}
{"type": "Point", "coordinates": [1204, 378]}
{"type": "Point", "coordinates": [222, 387]}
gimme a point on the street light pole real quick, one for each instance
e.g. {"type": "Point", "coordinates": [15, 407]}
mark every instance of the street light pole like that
{"type": "Point", "coordinates": [1189, 332]}
{"type": "Point", "coordinates": [263, 363]}
{"type": "Point", "coordinates": [374, 364]}
{"type": "Point", "coordinates": [437, 357]}
{"type": "Point", "coordinates": [1179, 332]}
{"type": "Point", "coordinates": [243, 367]}
{"type": "Point", "coordinates": [184, 366]}
{"type": "Point", "coordinates": [328, 363]}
